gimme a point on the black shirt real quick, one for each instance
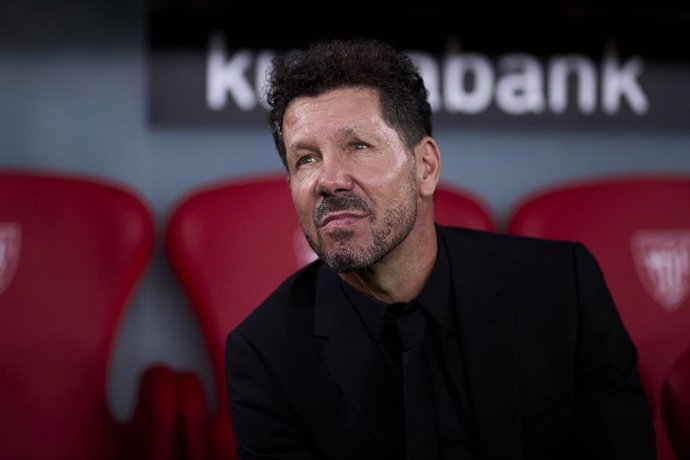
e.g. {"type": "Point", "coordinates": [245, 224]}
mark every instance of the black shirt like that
{"type": "Point", "coordinates": [442, 348]}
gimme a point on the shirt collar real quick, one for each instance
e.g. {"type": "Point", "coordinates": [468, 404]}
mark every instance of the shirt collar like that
{"type": "Point", "coordinates": [436, 294]}
{"type": "Point", "coordinates": [371, 310]}
{"type": "Point", "coordinates": [435, 297]}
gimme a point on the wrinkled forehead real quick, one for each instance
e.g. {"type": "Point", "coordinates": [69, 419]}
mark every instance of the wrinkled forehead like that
{"type": "Point", "coordinates": [342, 113]}
{"type": "Point", "coordinates": [343, 99]}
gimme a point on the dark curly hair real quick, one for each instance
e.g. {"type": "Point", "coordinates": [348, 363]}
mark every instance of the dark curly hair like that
{"type": "Point", "coordinates": [368, 63]}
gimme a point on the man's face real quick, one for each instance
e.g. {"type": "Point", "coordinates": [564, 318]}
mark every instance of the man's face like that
{"type": "Point", "coordinates": [353, 180]}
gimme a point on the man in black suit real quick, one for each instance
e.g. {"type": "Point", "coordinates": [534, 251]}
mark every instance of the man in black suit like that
{"type": "Point", "coordinates": [406, 339]}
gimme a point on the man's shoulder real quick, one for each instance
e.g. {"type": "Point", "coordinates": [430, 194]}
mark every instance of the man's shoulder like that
{"type": "Point", "coordinates": [290, 303]}
{"type": "Point", "coordinates": [501, 244]}
{"type": "Point", "coordinates": [531, 271]}
{"type": "Point", "coordinates": [514, 257]}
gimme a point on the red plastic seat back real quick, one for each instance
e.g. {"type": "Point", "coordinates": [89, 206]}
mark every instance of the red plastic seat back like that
{"type": "Point", "coordinates": [71, 251]}
{"type": "Point", "coordinates": [455, 207]}
{"type": "Point", "coordinates": [230, 245]}
{"type": "Point", "coordinates": [639, 230]}
{"type": "Point", "coordinates": [676, 405]}
{"type": "Point", "coordinates": [233, 243]}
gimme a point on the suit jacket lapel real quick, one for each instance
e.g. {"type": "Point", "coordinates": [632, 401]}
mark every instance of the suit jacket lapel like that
{"type": "Point", "coordinates": [486, 326]}
{"type": "Point", "coordinates": [356, 362]}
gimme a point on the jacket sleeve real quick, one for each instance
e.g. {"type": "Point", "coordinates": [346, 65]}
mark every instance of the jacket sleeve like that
{"type": "Point", "coordinates": [613, 417]}
{"type": "Point", "coordinates": [263, 424]}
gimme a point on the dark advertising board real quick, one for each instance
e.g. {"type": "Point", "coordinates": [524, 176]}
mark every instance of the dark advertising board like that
{"type": "Point", "coordinates": [561, 68]}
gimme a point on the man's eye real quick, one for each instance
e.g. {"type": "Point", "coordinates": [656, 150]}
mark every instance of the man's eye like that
{"type": "Point", "coordinates": [303, 160]}
{"type": "Point", "coordinates": [359, 145]}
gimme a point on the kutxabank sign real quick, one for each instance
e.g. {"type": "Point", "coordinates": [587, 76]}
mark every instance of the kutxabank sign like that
{"type": "Point", "coordinates": [224, 86]}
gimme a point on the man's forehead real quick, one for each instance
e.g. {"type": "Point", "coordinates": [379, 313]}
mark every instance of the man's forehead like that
{"type": "Point", "coordinates": [344, 99]}
{"type": "Point", "coordinates": [319, 120]}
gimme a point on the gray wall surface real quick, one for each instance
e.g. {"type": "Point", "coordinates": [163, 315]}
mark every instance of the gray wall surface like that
{"type": "Point", "coordinates": [73, 87]}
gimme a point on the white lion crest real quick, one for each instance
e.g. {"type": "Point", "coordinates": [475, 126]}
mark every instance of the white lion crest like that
{"type": "Point", "coordinates": [662, 259]}
{"type": "Point", "coordinates": [10, 248]}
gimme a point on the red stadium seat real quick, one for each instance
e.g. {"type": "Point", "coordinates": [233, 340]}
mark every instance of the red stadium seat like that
{"type": "Point", "coordinates": [639, 230]}
{"type": "Point", "coordinates": [230, 245]}
{"type": "Point", "coordinates": [676, 405]}
{"type": "Point", "coordinates": [71, 253]}
{"type": "Point", "coordinates": [456, 207]}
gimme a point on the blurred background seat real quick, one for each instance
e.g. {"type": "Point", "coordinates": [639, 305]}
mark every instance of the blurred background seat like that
{"type": "Point", "coordinates": [676, 405]}
{"type": "Point", "coordinates": [71, 253]}
{"type": "Point", "coordinates": [457, 207]}
{"type": "Point", "coordinates": [230, 245]}
{"type": "Point", "coordinates": [638, 228]}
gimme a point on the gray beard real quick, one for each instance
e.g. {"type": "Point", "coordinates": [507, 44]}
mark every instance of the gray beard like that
{"type": "Point", "coordinates": [348, 258]}
{"type": "Point", "coordinates": [356, 258]}
{"type": "Point", "coordinates": [398, 223]}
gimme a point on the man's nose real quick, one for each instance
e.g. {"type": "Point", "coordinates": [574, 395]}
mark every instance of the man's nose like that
{"type": "Point", "coordinates": [334, 176]}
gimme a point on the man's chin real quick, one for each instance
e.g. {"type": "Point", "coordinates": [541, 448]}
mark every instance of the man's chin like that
{"type": "Point", "coordinates": [340, 235]}
{"type": "Point", "coordinates": [341, 262]}
{"type": "Point", "coordinates": [346, 256]}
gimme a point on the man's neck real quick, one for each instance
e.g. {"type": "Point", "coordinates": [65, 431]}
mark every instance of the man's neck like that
{"type": "Point", "coordinates": [401, 275]}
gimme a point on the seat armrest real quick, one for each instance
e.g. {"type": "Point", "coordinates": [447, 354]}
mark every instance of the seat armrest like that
{"type": "Point", "coordinates": [195, 421]}
{"type": "Point", "coordinates": [676, 405]}
{"type": "Point", "coordinates": [223, 436]}
{"type": "Point", "coordinates": [153, 431]}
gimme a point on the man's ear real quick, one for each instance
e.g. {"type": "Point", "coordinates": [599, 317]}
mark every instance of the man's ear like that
{"type": "Point", "coordinates": [428, 157]}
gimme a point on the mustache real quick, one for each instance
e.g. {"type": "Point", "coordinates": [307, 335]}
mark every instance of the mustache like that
{"type": "Point", "coordinates": [344, 202]}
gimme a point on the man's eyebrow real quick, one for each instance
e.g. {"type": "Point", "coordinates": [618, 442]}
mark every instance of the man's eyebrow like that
{"type": "Point", "coordinates": [358, 132]}
{"type": "Point", "coordinates": [298, 145]}
{"type": "Point", "coordinates": [346, 132]}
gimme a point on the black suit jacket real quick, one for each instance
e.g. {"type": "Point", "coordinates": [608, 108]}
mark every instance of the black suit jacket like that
{"type": "Point", "coordinates": [551, 372]}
